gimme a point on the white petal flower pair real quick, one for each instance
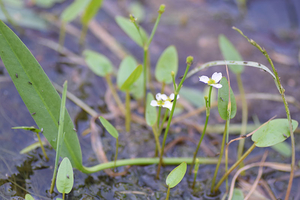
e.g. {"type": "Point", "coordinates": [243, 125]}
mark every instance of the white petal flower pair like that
{"type": "Point", "coordinates": [213, 81]}
{"type": "Point", "coordinates": [163, 100]}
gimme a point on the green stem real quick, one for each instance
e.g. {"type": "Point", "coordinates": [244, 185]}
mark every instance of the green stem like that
{"type": "Point", "coordinates": [163, 122]}
{"type": "Point", "coordinates": [234, 166]}
{"type": "Point", "coordinates": [128, 114]}
{"type": "Point", "coordinates": [196, 168]}
{"type": "Point", "coordinates": [219, 160]}
{"type": "Point", "coordinates": [168, 193]}
{"type": "Point", "coordinates": [244, 117]}
{"type": "Point", "coordinates": [115, 94]}
{"type": "Point", "coordinates": [154, 29]}
{"type": "Point", "coordinates": [62, 35]}
{"type": "Point", "coordinates": [145, 72]}
{"type": "Point", "coordinates": [156, 139]}
{"type": "Point", "coordinates": [83, 34]}
{"type": "Point", "coordinates": [116, 155]}
{"type": "Point", "coordinates": [42, 146]}
{"type": "Point", "coordinates": [64, 196]}
{"type": "Point", "coordinates": [145, 161]}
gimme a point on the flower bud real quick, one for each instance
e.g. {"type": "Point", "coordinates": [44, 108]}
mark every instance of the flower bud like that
{"type": "Point", "coordinates": [189, 60]}
{"type": "Point", "coordinates": [161, 9]}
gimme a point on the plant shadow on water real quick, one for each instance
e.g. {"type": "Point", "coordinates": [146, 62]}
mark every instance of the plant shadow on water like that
{"type": "Point", "coordinates": [32, 173]}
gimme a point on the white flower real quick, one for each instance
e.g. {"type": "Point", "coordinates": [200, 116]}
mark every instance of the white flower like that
{"type": "Point", "coordinates": [213, 81]}
{"type": "Point", "coordinates": [164, 101]}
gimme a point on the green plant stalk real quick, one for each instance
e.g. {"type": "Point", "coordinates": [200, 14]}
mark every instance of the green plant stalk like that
{"type": "Point", "coordinates": [244, 117]}
{"type": "Point", "coordinates": [227, 134]}
{"type": "Point", "coordinates": [163, 122]}
{"type": "Point", "coordinates": [234, 166]}
{"type": "Point", "coordinates": [153, 30]}
{"type": "Point", "coordinates": [128, 114]}
{"type": "Point", "coordinates": [196, 168]}
{"type": "Point", "coordinates": [281, 91]}
{"type": "Point", "coordinates": [116, 154]}
{"type": "Point", "coordinates": [220, 159]}
{"type": "Point", "coordinates": [156, 139]}
{"type": "Point", "coordinates": [168, 194]}
{"type": "Point", "coordinates": [42, 146]}
{"type": "Point", "coordinates": [204, 129]}
{"type": "Point", "coordinates": [60, 133]}
{"type": "Point", "coordinates": [64, 196]}
{"type": "Point", "coordinates": [115, 94]}
{"type": "Point", "coordinates": [83, 34]}
{"type": "Point", "coordinates": [62, 35]}
{"type": "Point", "coordinates": [145, 73]}
{"type": "Point", "coordinates": [189, 62]}
{"type": "Point", "coordinates": [145, 161]}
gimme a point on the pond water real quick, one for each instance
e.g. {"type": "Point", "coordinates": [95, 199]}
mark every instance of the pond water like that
{"type": "Point", "coordinates": [193, 27]}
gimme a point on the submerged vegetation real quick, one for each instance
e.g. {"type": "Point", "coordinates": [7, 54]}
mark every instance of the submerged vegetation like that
{"type": "Point", "coordinates": [137, 82]}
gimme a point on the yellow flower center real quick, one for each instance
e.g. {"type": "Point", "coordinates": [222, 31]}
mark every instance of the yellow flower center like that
{"type": "Point", "coordinates": [211, 81]}
{"type": "Point", "coordinates": [160, 102]}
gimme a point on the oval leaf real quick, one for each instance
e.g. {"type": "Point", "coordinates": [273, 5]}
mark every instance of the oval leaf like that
{"type": "Point", "coordinates": [167, 62]}
{"type": "Point", "coordinates": [109, 127]}
{"type": "Point", "coordinates": [73, 10]}
{"type": "Point", "coordinates": [91, 11]}
{"type": "Point", "coordinates": [129, 28]}
{"type": "Point", "coordinates": [98, 63]}
{"type": "Point", "coordinates": [38, 94]}
{"type": "Point", "coordinates": [176, 175]}
{"type": "Point", "coordinates": [229, 52]}
{"type": "Point", "coordinates": [238, 194]}
{"type": "Point", "coordinates": [132, 78]}
{"type": "Point", "coordinates": [65, 177]}
{"type": "Point", "coordinates": [28, 197]}
{"type": "Point", "coordinates": [151, 114]}
{"type": "Point", "coordinates": [273, 132]}
{"type": "Point", "coordinates": [223, 98]}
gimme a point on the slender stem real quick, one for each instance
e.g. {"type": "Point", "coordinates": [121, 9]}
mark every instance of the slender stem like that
{"type": "Point", "coordinates": [145, 72]}
{"type": "Point", "coordinates": [234, 166]}
{"type": "Point", "coordinates": [163, 122]}
{"type": "Point", "coordinates": [145, 161]}
{"type": "Point", "coordinates": [116, 155]}
{"type": "Point", "coordinates": [156, 139]}
{"type": "Point", "coordinates": [64, 194]}
{"type": "Point", "coordinates": [83, 34]}
{"type": "Point", "coordinates": [115, 94]}
{"type": "Point", "coordinates": [62, 35]}
{"type": "Point", "coordinates": [196, 168]}
{"type": "Point", "coordinates": [154, 29]}
{"type": "Point", "coordinates": [128, 114]}
{"type": "Point", "coordinates": [219, 160]}
{"type": "Point", "coordinates": [244, 117]}
{"type": "Point", "coordinates": [168, 193]}
{"type": "Point", "coordinates": [42, 146]}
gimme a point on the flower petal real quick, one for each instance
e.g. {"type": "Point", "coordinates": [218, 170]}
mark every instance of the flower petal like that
{"type": "Point", "coordinates": [216, 85]}
{"type": "Point", "coordinates": [158, 96]}
{"type": "Point", "coordinates": [178, 96]}
{"type": "Point", "coordinates": [217, 77]}
{"type": "Point", "coordinates": [204, 79]}
{"type": "Point", "coordinates": [172, 96]}
{"type": "Point", "coordinates": [154, 103]}
{"type": "Point", "coordinates": [168, 104]}
{"type": "Point", "coordinates": [164, 97]}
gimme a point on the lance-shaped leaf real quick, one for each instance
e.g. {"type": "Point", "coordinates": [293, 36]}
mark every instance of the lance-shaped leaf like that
{"type": "Point", "coordinates": [65, 177]}
{"type": "Point", "coordinates": [132, 78]}
{"type": "Point", "coordinates": [176, 175]}
{"type": "Point", "coordinates": [229, 52]}
{"type": "Point", "coordinates": [129, 28]}
{"type": "Point", "coordinates": [38, 93]}
{"type": "Point", "coordinates": [126, 67]}
{"type": "Point", "coordinates": [91, 11]}
{"type": "Point", "coordinates": [167, 62]}
{"type": "Point", "coordinates": [223, 97]}
{"type": "Point", "coordinates": [274, 132]}
{"type": "Point", "coordinates": [28, 128]}
{"type": "Point", "coordinates": [73, 10]}
{"type": "Point", "coordinates": [151, 114]}
{"type": "Point", "coordinates": [109, 127]}
{"type": "Point", "coordinates": [98, 63]}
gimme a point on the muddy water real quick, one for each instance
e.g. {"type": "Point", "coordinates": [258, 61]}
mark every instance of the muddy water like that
{"type": "Point", "coordinates": [193, 27]}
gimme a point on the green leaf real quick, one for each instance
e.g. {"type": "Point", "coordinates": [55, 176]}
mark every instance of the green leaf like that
{"type": "Point", "coordinates": [151, 114]}
{"type": "Point", "coordinates": [98, 63]}
{"type": "Point", "coordinates": [273, 132]}
{"type": "Point", "coordinates": [229, 52]}
{"type": "Point", "coordinates": [28, 128]}
{"type": "Point", "coordinates": [176, 175]}
{"type": "Point", "coordinates": [283, 148]}
{"type": "Point", "coordinates": [38, 94]}
{"type": "Point", "coordinates": [28, 197]}
{"type": "Point", "coordinates": [129, 28]}
{"type": "Point", "coordinates": [109, 127]}
{"type": "Point", "coordinates": [167, 62]}
{"type": "Point", "coordinates": [223, 97]}
{"type": "Point", "coordinates": [73, 10]}
{"type": "Point", "coordinates": [32, 147]}
{"type": "Point", "coordinates": [132, 78]}
{"type": "Point", "coordinates": [46, 3]}
{"type": "Point", "coordinates": [194, 96]}
{"type": "Point", "coordinates": [65, 177]}
{"type": "Point", "coordinates": [238, 194]}
{"type": "Point", "coordinates": [91, 11]}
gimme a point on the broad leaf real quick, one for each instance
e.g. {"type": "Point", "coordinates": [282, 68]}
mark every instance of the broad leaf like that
{"type": "Point", "coordinates": [132, 78]}
{"type": "Point", "coordinates": [129, 28]}
{"type": "Point", "coordinates": [167, 62]}
{"type": "Point", "coordinates": [65, 177]}
{"type": "Point", "coordinates": [176, 175]}
{"type": "Point", "coordinates": [192, 95]}
{"type": "Point", "coordinates": [151, 114]}
{"type": "Point", "coordinates": [283, 148]}
{"type": "Point", "coordinates": [273, 132]}
{"type": "Point", "coordinates": [229, 52]}
{"type": "Point", "coordinates": [109, 127]}
{"type": "Point", "coordinates": [126, 67]}
{"type": "Point", "coordinates": [73, 10]}
{"type": "Point", "coordinates": [98, 63]}
{"type": "Point", "coordinates": [238, 194]}
{"type": "Point", "coordinates": [223, 97]}
{"type": "Point", "coordinates": [91, 11]}
{"type": "Point", "coordinates": [38, 94]}
{"type": "Point", "coordinates": [28, 197]}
